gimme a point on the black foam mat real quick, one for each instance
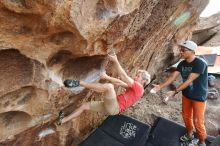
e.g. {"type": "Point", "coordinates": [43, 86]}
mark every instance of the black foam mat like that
{"type": "Point", "coordinates": [149, 144]}
{"type": "Point", "coordinates": [121, 130]}
{"type": "Point", "coordinates": [216, 141]}
{"type": "Point", "coordinates": [99, 138]}
{"type": "Point", "coordinates": [166, 133]}
{"type": "Point", "coordinates": [126, 130]}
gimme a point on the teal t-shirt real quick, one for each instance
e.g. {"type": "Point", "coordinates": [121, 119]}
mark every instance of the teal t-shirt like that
{"type": "Point", "coordinates": [198, 89]}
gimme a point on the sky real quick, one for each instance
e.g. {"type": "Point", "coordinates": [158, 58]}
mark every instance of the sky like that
{"type": "Point", "coordinates": [212, 8]}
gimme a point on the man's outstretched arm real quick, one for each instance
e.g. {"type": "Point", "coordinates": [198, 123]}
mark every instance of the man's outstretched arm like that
{"type": "Point", "coordinates": [171, 78]}
{"type": "Point", "coordinates": [120, 71]}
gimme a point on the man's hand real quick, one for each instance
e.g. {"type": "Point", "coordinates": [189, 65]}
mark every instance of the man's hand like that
{"type": "Point", "coordinates": [155, 89]}
{"type": "Point", "coordinates": [103, 75]}
{"type": "Point", "coordinates": [112, 57]}
{"type": "Point", "coordinates": [170, 93]}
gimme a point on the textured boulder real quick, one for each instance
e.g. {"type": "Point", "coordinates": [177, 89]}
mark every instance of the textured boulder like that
{"type": "Point", "coordinates": [43, 42]}
{"type": "Point", "coordinates": [207, 32]}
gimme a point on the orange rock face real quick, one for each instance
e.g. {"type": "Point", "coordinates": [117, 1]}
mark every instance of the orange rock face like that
{"type": "Point", "coordinates": [43, 42]}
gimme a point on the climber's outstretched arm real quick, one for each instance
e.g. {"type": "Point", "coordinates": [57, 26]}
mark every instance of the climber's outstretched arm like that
{"type": "Point", "coordinates": [120, 71]}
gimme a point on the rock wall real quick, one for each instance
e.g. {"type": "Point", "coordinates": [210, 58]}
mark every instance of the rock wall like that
{"type": "Point", "coordinates": [208, 30]}
{"type": "Point", "coordinates": [43, 42]}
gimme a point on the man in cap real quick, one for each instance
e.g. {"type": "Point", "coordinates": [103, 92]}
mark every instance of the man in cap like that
{"type": "Point", "coordinates": [194, 89]}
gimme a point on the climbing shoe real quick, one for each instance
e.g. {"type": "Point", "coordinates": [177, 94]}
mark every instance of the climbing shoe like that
{"type": "Point", "coordinates": [185, 137]}
{"type": "Point", "coordinates": [71, 83]}
{"type": "Point", "coordinates": [60, 118]}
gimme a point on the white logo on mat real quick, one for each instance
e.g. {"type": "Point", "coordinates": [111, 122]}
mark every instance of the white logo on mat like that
{"type": "Point", "coordinates": [128, 130]}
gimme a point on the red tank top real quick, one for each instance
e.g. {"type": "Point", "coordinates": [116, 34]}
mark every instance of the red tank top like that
{"type": "Point", "coordinates": [131, 95]}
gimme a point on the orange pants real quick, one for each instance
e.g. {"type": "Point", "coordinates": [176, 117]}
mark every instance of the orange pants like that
{"type": "Point", "coordinates": [193, 112]}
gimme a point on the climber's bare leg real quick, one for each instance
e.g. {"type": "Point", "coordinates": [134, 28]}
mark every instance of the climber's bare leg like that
{"type": "Point", "coordinates": [77, 112]}
{"type": "Point", "coordinates": [107, 88]}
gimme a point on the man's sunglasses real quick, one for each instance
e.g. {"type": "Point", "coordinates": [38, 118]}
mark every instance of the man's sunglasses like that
{"type": "Point", "coordinates": [184, 50]}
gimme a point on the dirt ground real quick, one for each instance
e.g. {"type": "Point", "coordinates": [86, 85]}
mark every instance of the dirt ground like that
{"type": "Point", "coordinates": [151, 106]}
